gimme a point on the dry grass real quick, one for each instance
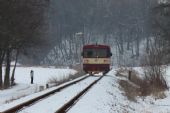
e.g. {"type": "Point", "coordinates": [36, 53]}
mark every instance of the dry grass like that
{"type": "Point", "coordinates": [55, 81]}
{"type": "Point", "coordinates": [130, 90]}
{"type": "Point", "coordinates": [143, 86]}
{"type": "Point", "coordinates": [14, 98]}
{"type": "Point", "coordinates": [155, 90]}
{"type": "Point", "coordinates": [122, 72]}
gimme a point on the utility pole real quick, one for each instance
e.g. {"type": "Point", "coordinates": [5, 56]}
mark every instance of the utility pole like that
{"type": "Point", "coordinates": [81, 35]}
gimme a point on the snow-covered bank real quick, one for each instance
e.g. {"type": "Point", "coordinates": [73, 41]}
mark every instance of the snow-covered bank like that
{"type": "Point", "coordinates": [107, 97]}
{"type": "Point", "coordinates": [22, 79]}
{"type": "Point", "coordinates": [150, 104]}
{"type": "Point", "coordinates": [41, 75]}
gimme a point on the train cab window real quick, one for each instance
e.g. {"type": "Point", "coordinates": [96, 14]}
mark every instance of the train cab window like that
{"type": "Point", "coordinates": [101, 53]}
{"type": "Point", "coordinates": [89, 53]}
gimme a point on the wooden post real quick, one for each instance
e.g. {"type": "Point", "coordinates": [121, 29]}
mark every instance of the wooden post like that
{"type": "Point", "coordinates": [47, 86]}
{"type": "Point", "coordinates": [130, 74]}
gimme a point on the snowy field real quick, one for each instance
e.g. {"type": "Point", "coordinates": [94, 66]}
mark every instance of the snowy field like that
{"type": "Point", "coordinates": [105, 97]}
{"type": "Point", "coordinates": [24, 88]}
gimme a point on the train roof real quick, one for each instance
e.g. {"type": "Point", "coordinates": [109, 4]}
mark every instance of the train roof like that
{"type": "Point", "coordinates": [95, 46]}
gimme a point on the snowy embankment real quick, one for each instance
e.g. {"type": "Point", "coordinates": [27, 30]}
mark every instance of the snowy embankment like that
{"type": "Point", "coordinates": [151, 104]}
{"type": "Point", "coordinates": [22, 79]}
{"type": "Point", "coordinates": [107, 97]}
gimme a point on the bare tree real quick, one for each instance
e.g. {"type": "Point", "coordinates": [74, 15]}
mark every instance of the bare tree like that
{"type": "Point", "coordinates": [153, 65]}
{"type": "Point", "coordinates": [21, 27]}
{"type": "Point", "coordinates": [161, 25]}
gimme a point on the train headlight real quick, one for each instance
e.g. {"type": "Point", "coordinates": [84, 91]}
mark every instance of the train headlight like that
{"type": "Point", "coordinates": [106, 61]}
{"type": "Point", "coordinates": [86, 61]}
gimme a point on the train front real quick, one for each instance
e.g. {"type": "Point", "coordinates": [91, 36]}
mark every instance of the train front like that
{"type": "Point", "coordinates": [96, 58]}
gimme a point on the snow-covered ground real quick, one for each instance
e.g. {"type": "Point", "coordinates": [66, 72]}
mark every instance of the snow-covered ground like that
{"type": "Point", "coordinates": [41, 75]}
{"type": "Point", "coordinates": [24, 88]}
{"type": "Point", "coordinates": [107, 97]}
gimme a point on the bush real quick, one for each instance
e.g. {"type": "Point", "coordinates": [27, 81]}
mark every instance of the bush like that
{"type": "Point", "coordinates": [154, 70]}
{"type": "Point", "coordinates": [54, 81]}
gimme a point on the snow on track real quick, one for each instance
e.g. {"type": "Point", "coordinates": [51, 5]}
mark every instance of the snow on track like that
{"type": "Point", "coordinates": [54, 102]}
{"type": "Point", "coordinates": [99, 99]}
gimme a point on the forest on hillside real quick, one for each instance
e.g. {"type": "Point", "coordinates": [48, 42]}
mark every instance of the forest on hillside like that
{"type": "Point", "coordinates": [128, 26]}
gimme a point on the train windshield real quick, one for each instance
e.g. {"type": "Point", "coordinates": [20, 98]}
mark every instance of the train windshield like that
{"type": "Point", "coordinates": [93, 53]}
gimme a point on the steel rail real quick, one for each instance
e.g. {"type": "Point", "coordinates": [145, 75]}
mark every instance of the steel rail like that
{"type": "Point", "coordinates": [75, 99]}
{"type": "Point", "coordinates": [32, 101]}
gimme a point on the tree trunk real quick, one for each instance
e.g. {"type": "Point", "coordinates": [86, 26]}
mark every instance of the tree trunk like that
{"type": "Point", "coordinates": [7, 71]}
{"type": "Point", "coordinates": [122, 49]}
{"type": "Point", "coordinates": [137, 48]}
{"type": "Point", "coordinates": [13, 72]}
{"type": "Point", "coordinates": [132, 51]}
{"type": "Point", "coordinates": [1, 62]}
{"type": "Point", "coordinates": [147, 45]}
{"type": "Point", "coordinates": [1, 82]}
{"type": "Point", "coordinates": [128, 45]}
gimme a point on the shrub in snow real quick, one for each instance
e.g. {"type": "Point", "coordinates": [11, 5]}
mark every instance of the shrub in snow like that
{"type": "Point", "coordinates": [154, 70]}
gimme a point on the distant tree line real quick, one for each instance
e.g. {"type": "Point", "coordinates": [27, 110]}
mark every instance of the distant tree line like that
{"type": "Point", "coordinates": [127, 26]}
{"type": "Point", "coordinates": [22, 25]}
{"type": "Point", "coordinates": [122, 24]}
{"type": "Point", "coordinates": [160, 28]}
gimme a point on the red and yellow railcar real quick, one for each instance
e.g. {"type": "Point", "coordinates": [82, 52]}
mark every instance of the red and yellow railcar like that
{"type": "Point", "coordinates": [96, 58]}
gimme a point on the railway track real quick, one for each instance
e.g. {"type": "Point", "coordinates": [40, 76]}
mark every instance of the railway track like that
{"type": "Point", "coordinates": [65, 106]}
{"type": "Point", "coordinates": [20, 106]}
{"type": "Point", "coordinates": [75, 99]}
{"type": "Point", "coordinates": [62, 101]}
